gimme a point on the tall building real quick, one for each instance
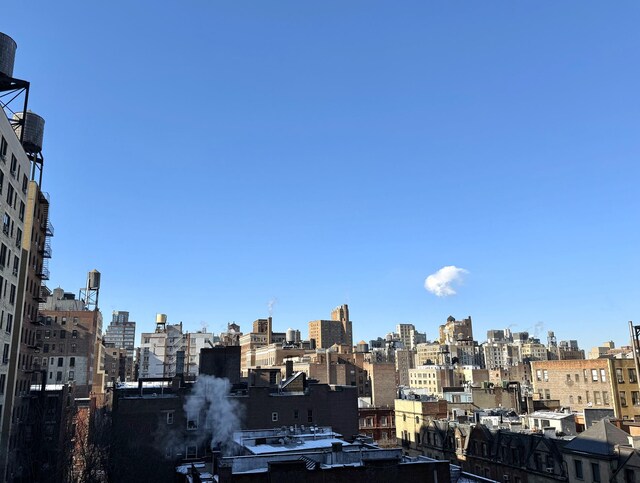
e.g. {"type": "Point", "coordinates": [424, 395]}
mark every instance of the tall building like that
{"type": "Point", "coordinates": [409, 336]}
{"type": "Point", "coordinates": [70, 343]}
{"type": "Point", "coordinates": [121, 334]}
{"type": "Point", "coordinates": [338, 330]}
{"type": "Point", "coordinates": [169, 351]}
{"type": "Point", "coordinates": [24, 250]}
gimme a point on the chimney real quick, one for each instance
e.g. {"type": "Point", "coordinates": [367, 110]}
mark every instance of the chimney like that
{"type": "Point", "coordinates": [288, 368]}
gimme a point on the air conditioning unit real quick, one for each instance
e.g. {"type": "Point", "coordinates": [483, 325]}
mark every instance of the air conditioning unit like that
{"type": "Point", "coordinates": [549, 469]}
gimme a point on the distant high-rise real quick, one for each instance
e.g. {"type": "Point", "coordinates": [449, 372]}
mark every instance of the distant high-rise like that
{"type": "Point", "coordinates": [335, 331]}
{"type": "Point", "coordinates": [121, 334]}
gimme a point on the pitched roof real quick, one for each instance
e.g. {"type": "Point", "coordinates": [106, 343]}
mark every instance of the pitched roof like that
{"type": "Point", "coordinates": [599, 439]}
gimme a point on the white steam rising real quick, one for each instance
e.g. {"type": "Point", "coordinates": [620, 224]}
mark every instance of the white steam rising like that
{"type": "Point", "coordinates": [218, 415]}
{"type": "Point", "coordinates": [441, 282]}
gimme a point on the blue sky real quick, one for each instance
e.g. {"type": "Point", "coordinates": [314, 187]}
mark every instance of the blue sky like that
{"type": "Point", "coordinates": [209, 157]}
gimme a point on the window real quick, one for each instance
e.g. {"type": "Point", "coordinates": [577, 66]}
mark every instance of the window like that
{"type": "Point", "coordinates": [274, 416]}
{"type": "Point", "coordinates": [545, 375]}
{"type": "Point", "coordinates": [596, 398]}
{"type": "Point", "coordinates": [25, 183]}
{"type": "Point", "coordinates": [629, 476]}
{"type": "Point", "coordinates": [63, 334]}
{"type": "Point", "coordinates": [59, 376]}
{"type": "Point", "coordinates": [60, 361]}
{"type": "Point", "coordinates": [603, 375]}
{"type": "Point", "coordinates": [3, 149]}
{"type": "Point", "coordinates": [584, 375]}
{"type": "Point", "coordinates": [192, 422]}
{"type": "Point", "coordinates": [570, 399]}
{"type": "Point", "coordinates": [6, 223]}
{"type": "Point", "coordinates": [71, 375]}
{"type": "Point", "coordinates": [538, 375]}
{"type": "Point", "coordinates": [310, 416]}
{"type": "Point", "coordinates": [10, 194]}
{"type": "Point", "coordinates": [632, 372]}
{"type": "Point", "coordinates": [74, 334]}
{"type": "Point", "coordinates": [47, 334]}
{"type": "Point", "coordinates": [63, 321]}
{"type": "Point", "coordinates": [3, 380]}
{"type": "Point", "coordinates": [14, 165]}
{"type": "Point", "coordinates": [192, 451]}
{"type": "Point", "coordinates": [619, 375]}
{"type": "Point", "coordinates": [576, 377]}
{"type": "Point", "coordinates": [3, 255]}
{"type": "Point", "coordinates": [22, 206]}
{"type": "Point", "coordinates": [170, 417]}
{"type": "Point", "coordinates": [9, 322]}
{"type": "Point", "coordinates": [73, 347]}
{"type": "Point", "coordinates": [12, 295]}
{"type": "Point", "coordinates": [594, 375]}
{"type": "Point", "coordinates": [577, 464]}
{"type": "Point", "coordinates": [605, 398]}
{"type": "Point", "coordinates": [635, 398]}
{"type": "Point", "coordinates": [45, 348]}
{"type": "Point", "coordinates": [623, 398]}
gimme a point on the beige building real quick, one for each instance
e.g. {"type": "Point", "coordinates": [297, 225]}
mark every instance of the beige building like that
{"type": "Point", "coordinates": [597, 383]}
{"type": "Point", "coordinates": [456, 330]}
{"type": "Point", "coordinates": [338, 330]}
{"type": "Point", "coordinates": [429, 353]}
{"type": "Point", "coordinates": [434, 378]}
{"type": "Point", "coordinates": [412, 415]}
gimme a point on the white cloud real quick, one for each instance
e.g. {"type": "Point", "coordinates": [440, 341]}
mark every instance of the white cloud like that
{"type": "Point", "coordinates": [441, 282]}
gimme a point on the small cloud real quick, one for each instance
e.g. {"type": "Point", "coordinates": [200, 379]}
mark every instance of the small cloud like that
{"type": "Point", "coordinates": [440, 283]}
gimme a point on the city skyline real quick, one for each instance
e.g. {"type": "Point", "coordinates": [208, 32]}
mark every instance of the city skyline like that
{"type": "Point", "coordinates": [219, 163]}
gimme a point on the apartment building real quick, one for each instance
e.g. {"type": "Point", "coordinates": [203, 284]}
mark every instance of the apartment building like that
{"type": "Point", "coordinates": [14, 190]}
{"type": "Point", "coordinates": [337, 331]}
{"type": "Point", "coordinates": [70, 343]}
{"type": "Point", "coordinates": [598, 383]}
{"type": "Point", "coordinates": [169, 351]}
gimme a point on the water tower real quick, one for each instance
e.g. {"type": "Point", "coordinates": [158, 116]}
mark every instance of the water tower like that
{"type": "Point", "coordinates": [14, 93]}
{"type": "Point", "coordinates": [90, 293]}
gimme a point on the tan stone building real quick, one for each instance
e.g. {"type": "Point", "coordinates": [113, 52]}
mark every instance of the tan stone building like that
{"type": "Point", "coordinates": [412, 415]}
{"type": "Point", "coordinates": [597, 383]}
{"type": "Point", "coordinates": [456, 330]}
{"type": "Point", "coordinates": [338, 330]}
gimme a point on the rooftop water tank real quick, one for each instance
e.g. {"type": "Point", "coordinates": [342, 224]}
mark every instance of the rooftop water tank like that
{"type": "Point", "coordinates": [7, 54]}
{"type": "Point", "coordinates": [161, 318]}
{"type": "Point", "coordinates": [94, 277]}
{"type": "Point", "coordinates": [33, 131]}
{"type": "Point", "coordinates": [291, 336]}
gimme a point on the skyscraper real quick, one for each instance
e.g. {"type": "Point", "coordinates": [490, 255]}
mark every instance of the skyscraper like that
{"type": "Point", "coordinates": [121, 334]}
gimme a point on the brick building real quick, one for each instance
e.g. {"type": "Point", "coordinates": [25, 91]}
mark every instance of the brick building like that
{"type": "Point", "coordinates": [590, 383]}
